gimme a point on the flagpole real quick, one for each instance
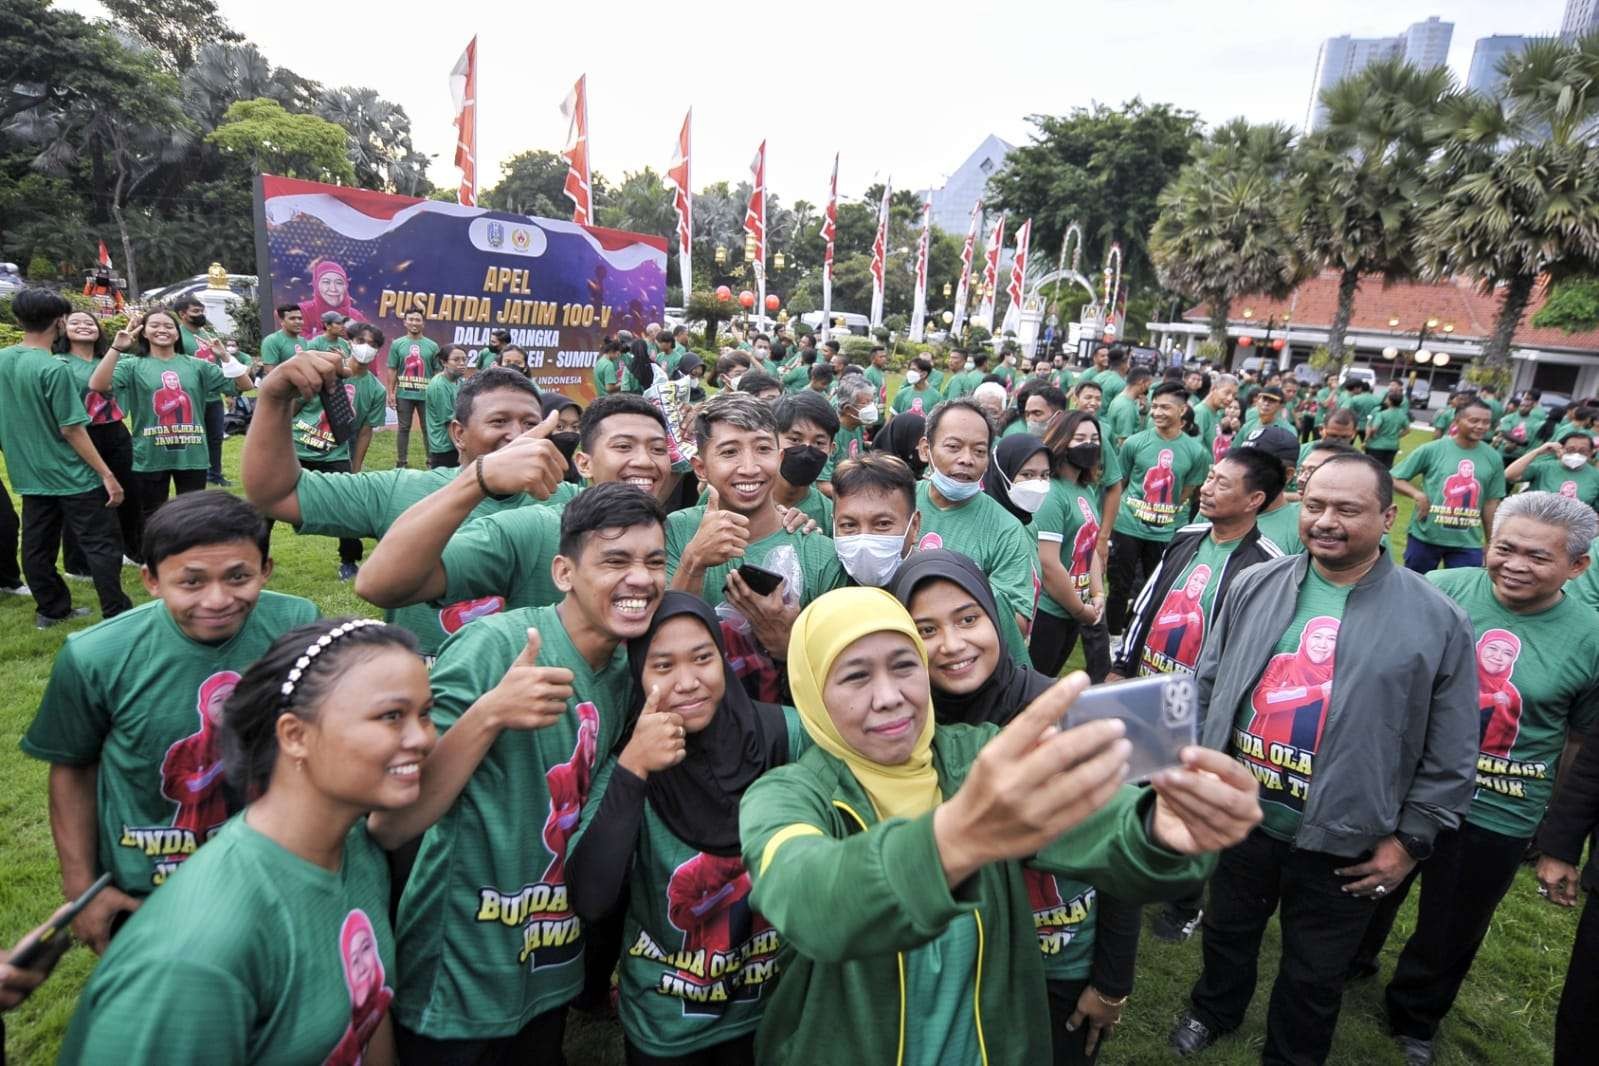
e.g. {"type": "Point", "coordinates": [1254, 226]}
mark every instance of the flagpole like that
{"type": "Point", "coordinates": [829, 231]}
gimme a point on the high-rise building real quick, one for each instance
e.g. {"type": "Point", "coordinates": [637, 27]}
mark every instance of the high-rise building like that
{"type": "Point", "coordinates": [952, 204]}
{"type": "Point", "coordinates": [1423, 44]}
{"type": "Point", "coordinates": [1483, 75]}
{"type": "Point", "coordinates": [1581, 18]}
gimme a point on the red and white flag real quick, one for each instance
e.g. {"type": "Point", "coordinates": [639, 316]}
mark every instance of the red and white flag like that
{"type": "Point", "coordinates": [919, 309]}
{"type": "Point", "coordinates": [755, 224]}
{"type": "Point", "coordinates": [576, 108]}
{"type": "Point", "coordinates": [105, 257]}
{"type": "Point", "coordinates": [678, 177]}
{"type": "Point", "coordinates": [880, 255]}
{"type": "Point", "coordinates": [829, 234]}
{"type": "Point", "coordinates": [463, 90]}
{"type": "Point", "coordinates": [991, 254]}
{"type": "Point", "coordinates": [963, 287]}
{"type": "Point", "coordinates": [1017, 289]}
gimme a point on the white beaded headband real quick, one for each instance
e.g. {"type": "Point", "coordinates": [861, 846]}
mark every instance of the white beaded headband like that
{"type": "Point", "coordinates": [318, 646]}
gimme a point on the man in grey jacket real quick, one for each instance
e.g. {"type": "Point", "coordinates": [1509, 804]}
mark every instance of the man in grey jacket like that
{"type": "Point", "coordinates": [1348, 686]}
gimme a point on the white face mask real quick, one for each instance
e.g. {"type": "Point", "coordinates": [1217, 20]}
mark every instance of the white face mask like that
{"type": "Point", "coordinates": [970, 365]}
{"type": "Point", "coordinates": [912, 376]}
{"type": "Point", "coordinates": [1028, 495]}
{"type": "Point", "coordinates": [364, 353]}
{"type": "Point", "coordinates": [1573, 460]}
{"type": "Point", "coordinates": [868, 414]}
{"type": "Point", "coordinates": [732, 382]}
{"type": "Point", "coordinates": [871, 558]}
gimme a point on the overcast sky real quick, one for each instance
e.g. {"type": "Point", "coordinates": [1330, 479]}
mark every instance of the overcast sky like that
{"type": "Point", "coordinates": [904, 88]}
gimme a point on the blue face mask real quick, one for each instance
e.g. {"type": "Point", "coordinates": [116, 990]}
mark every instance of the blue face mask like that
{"type": "Point", "coordinates": [952, 490]}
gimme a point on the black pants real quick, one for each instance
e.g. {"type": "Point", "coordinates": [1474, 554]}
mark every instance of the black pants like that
{"type": "Point", "coordinates": [1307, 428]}
{"type": "Point", "coordinates": [1385, 456]}
{"type": "Point", "coordinates": [1462, 884]}
{"type": "Point", "coordinates": [1053, 639]}
{"type": "Point", "coordinates": [115, 445]}
{"type": "Point", "coordinates": [1321, 928]}
{"type": "Point", "coordinates": [349, 547]}
{"type": "Point", "coordinates": [1132, 560]}
{"type": "Point", "coordinates": [1070, 1048]}
{"type": "Point", "coordinates": [94, 527]}
{"type": "Point", "coordinates": [10, 537]}
{"type": "Point", "coordinates": [215, 429]}
{"type": "Point", "coordinates": [438, 459]}
{"type": "Point", "coordinates": [538, 1041]}
{"type": "Point", "coordinates": [740, 1051]}
{"type": "Point", "coordinates": [1577, 1020]}
{"type": "Point", "coordinates": [408, 411]}
{"type": "Point", "coordinates": [153, 487]}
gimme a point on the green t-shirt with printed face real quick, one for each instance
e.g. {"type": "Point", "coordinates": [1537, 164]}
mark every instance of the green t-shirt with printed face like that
{"type": "Point", "coordinates": [1537, 681]}
{"type": "Point", "coordinates": [280, 346]}
{"type": "Point", "coordinates": [1281, 527]}
{"type": "Point", "coordinates": [1183, 617]}
{"type": "Point", "coordinates": [847, 444]}
{"type": "Point", "coordinates": [921, 401]}
{"type": "Point", "coordinates": [1458, 483]}
{"type": "Point", "coordinates": [39, 396]}
{"type": "Point", "coordinates": [1064, 917]}
{"type": "Point", "coordinates": [1069, 517]}
{"type": "Point", "coordinates": [1157, 472]}
{"type": "Point", "coordinates": [166, 398]}
{"type": "Point", "coordinates": [1547, 474]}
{"type": "Point", "coordinates": [818, 559]}
{"type": "Point", "coordinates": [143, 701]}
{"type": "Point", "coordinates": [251, 954]}
{"type": "Point", "coordinates": [440, 411]}
{"type": "Point", "coordinates": [313, 438]}
{"type": "Point", "coordinates": [1111, 385]}
{"type": "Point", "coordinates": [697, 961]}
{"type": "Point", "coordinates": [485, 924]}
{"type": "Point", "coordinates": [605, 375]}
{"type": "Point", "coordinates": [1520, 431]}
{"type": "Point", "coordinates": [102, 409]}
{"type": "Point", "coordinates": [1585, 586]}
{"type": "Point", "coordinates": [412, 362]}
{"type": "Point", "coordinates": [1279, 724]}
{"type": "Point", "coordinates": [991, 537]}
{"type": "Point", "coordinates": [1386, 429]}
{"type": "Point", "coordinates": [324, 343]}
{"type": "Point", "coordinates": [367, 504]}
{"type": "Point", "coordinates": [504, 557]}
{"type": "Point", "coordinates": [1121, 418]}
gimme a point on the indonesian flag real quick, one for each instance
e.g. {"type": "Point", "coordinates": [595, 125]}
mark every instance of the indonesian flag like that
{"type": "Point", "coordinates": [677, 176]}
{"type": "Point", "coordinates": [919, 310]}
{"type": "Point", "coordinates": [463, 89]}
{"type": "Point", "coordinates": [829, 233]}
{"type": "Point", "coordinates": [755, 224]}
{"type": "Point", "coordinates": [1017, 290]}
{"type": "Point", "coordinates": [880, 255]}
{"type": "Point", "coordinates": [105, 257]}
{"type": "Point", "coordinates": [965, 283]}
{"type": "Point", "coordinates": [996, 244]}
{"type": "Point", "coordinates": [576, 108]}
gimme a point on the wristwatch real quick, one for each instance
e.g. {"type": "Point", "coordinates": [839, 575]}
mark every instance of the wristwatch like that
{"type": "Point", "coordinates": [1415, 847]}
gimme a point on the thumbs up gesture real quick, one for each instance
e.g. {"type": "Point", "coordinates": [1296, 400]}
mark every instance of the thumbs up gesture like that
{"type": "Point", "coordinates": [722, 535]}
{"type": "Point", "coordinates": [530, 696]}
{"type": "Point", "coordinates": [531, 463]}
{"type": "Point", "coordinates": [658, 739]}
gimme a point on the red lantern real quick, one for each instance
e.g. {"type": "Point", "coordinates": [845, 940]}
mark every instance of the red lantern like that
{"type": "Point", "coordinates": [772, 302]}
{"type": "Point", "coordinates": [723, 293]}
{"type": "Point", "coordinates": [1277, 344]}
{"type": "Point", "coordinates": [746, 299]}
{"type": "Point", "coordinates": [1244, 342]}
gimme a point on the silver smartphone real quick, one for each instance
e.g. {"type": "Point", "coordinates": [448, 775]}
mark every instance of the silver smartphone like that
{"type": "Point", "coordinates": [1161, 714]}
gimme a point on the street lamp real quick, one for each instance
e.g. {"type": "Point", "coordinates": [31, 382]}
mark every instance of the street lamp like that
{"type": "Point", "coordinates": [721, 255]}
{"type": "Point", "coordinates": [749, 247]}
{"type": "Point", "coordinates": [778, 261]}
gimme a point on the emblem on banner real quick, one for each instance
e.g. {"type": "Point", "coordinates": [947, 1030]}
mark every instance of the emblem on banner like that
{"type": "Point", "coordinates": [496, 234]}
{"type": "Point", "coordinates": [520, 239]}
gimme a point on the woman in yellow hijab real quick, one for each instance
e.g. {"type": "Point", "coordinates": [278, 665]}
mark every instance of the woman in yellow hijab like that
{"type": "Point", "coordinates": [889, 856]}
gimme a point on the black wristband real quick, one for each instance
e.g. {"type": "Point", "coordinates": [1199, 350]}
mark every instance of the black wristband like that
{"type": "Point", "coordinates": [484, 485]}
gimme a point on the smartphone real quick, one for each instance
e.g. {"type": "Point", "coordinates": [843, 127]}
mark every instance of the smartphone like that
{"type": "Point", "coordinates": [1161, 714]}
{"type": "Point", "coordinates": [51, 937]}
{"type": "Point", "coordinates": [761, 582]}
{"type": "Point", "coordinates": [341, 416]}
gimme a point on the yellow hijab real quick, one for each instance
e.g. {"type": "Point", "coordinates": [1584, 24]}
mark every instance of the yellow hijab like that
{"type": "Point", "coordinates": [821, 633]}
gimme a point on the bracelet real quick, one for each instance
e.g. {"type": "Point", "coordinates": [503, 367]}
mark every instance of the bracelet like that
{"type": "Point", "coordinates": [1106, 1000]}
{"type": "Point", "coordinates": [484, 485]}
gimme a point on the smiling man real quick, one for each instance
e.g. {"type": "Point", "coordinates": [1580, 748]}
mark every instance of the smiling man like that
{"type": "Point", "coordinates": [1463, 480]}
{"type": "Point", "coordinates": [126, 694]}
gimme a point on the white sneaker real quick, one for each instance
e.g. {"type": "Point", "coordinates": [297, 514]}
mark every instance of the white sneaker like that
{"type": "Point", "coordinates": [130, 562]}
{"type": "Point", "coordinates": [17, 590]}
{"type": "Point", "coordinates": [79, 577]}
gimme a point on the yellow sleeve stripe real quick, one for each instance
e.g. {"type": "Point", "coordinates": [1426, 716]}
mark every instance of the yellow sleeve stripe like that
{"type": "Point", "coordinates": [783, 836]}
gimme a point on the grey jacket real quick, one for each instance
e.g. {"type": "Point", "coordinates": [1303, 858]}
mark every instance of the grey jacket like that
{"type": "Point", "coordinates": [1399, 747]}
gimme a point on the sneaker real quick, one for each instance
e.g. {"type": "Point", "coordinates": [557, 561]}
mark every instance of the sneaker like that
{"type": "Point", "coordinates": [45, 622]}
{"type": "Point", "coordinates": [1417, 1052]}
{"type": "Point", "coordinates": [1174, 924]}
{"type": "Point", "coordinates": [1191, 1036]}
{"type": "Point", "coordinates": [220, 482]}
{"type": "Point", "coordinates": [128, 560]}
{"type": "Point", "coordinates": [1362, 970]}
{"type": "Point", "coordinates": [347, 571]}
{"type": "Point", "coordinates": [17, 590]}
{"type": "Point", "coordinates": [79, 577]}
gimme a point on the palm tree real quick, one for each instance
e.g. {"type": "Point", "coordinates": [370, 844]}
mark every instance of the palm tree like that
{"type": "Point", "coordinates": [1518, 182]}
{"type": "Point", "coordinates": [1223, 226]}
{"type": "Point", "coordinates": [380, 137]}
{"type": "Point", "coordinates": [1362, 188]}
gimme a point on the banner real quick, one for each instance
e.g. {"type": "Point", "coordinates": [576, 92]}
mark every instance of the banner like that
{"type": "Point", "coordinates": [679, 177]}
{"type": "Point", "coordinates": [1017, 289]}
{"type": "Point", "coordinates": [963, 287]}
{"type": "Point", "coordinates": [463, 90]}
{"type": "Point", "coordinates": [991, 254]}
{"type": "Point", "coordinates": [755, 225]}
{"type": "Point", "coordinates": [880, 256]}
{"type": "Point", "coordinates": [829, 233]}
{"type": "Point", "coordinates": [578, 188]}
{"type": "Point", "coordinates": [919, 310]}
{"type": "Point", "coordinates": [558, 287]}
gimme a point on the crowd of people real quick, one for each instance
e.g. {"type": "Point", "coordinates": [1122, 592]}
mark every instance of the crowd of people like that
{"type": "Point", "coordinates": [748, 722]}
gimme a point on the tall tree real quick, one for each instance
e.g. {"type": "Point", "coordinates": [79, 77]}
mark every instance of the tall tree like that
{"type": "Point", "coordinates": [50, 57]}
{"type": "Point", "coordinates": [379, 138]}
{"type": "Point", "coordinates": [268, 138]}
{"type": "Point", "coordinates": [530, 184]}
{"type": "Point", "coordinates": [174, 29]}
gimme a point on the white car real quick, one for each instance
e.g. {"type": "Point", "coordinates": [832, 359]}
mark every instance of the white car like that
{"type": "Point", "coordinates": [858, 325]}
{"type": "Point", "coordinates": [241, 284]}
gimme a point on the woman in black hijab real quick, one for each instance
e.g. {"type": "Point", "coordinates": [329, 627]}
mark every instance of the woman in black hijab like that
{"type": "Point", "coordinates": [1018, 475]}
{"type": "Point", "coordinates": [641, 365]}
{"type": "Point", "coordinates": [566, 436]}
{"type": "Point", "coordinates": [1090, 941]}
{"type": "Point", "coordinates": [901, 437]}
{"type": "Point", "coordinates": [692, 368]}
{"type": "Point", "coordinates": [663, 817]}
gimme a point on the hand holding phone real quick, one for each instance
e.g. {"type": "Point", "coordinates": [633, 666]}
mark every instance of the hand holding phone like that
{"type": "Point", "coordinates": [761, 581]}
{"type": "Point", "coordinates": [41, 948]}
{"type": "Point", "coordinates": [341, 415]}
{"type": "Point", "coordinates": [1160, 713]}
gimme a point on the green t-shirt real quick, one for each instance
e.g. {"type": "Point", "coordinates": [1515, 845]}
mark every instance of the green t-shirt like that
{"type": "Point", "coordinates": [1546, 474]}
{"type": "Point", "coordinates": [1386, 429]}
{"type": "Point", "coordinates": [138, 697]}
{"type": "Point", "coordinates": [39, 396]}
{"type": "Point", "coordinates": [485, 925]}
{"type": "Point", "coordinates": [847, 444]}
{"type": "Point", "coordinates": [1363, 405]}
{"type": "Point", "coordinates": [696, 960]}
{"type": "Point", "coordinates": [1111, 385]}
{"type": "Point", "coordinates": [1537, 679]}
{"type": "Point", "coordinates": [1458, 482]}
{"type": "Point", "coordinates": [1207, 422]}
{"type": "Point", "coordinates": [1157, 472]}
{"type": "Point", "coordinates": [367, 504]}
{"type": "Point", "coordinates": [280, 346]}
{"type": "Point", "coordinates": [1064, 917]}
{"type": "Point", "coordinates": [605, 375]}
{"type": "Point", "coordinates": [1444, 419]}
{"type": "Point", "coordinates": [936, 379]}
{"type": "Point", "coordinates": [1177, 631]}
{"type": "Point", "coordinates": [798, 376]}
{"type": "Point", "coordinates": [1281, 527]}
{"type": "Point", "coordinates": [940, 986]}
{"type": "Point", "coordinates": [1324, 397]}
{"type": "Point", "coordinates": [504, 557]}
{"type": "Point", "coordinates": [251, 954]}
{"type": "Point", "coordinates": [962, 384]}
{"type": "Point", "coordinates": [1585, 586]}
{"type": "Point", "coordinates": [166, 398]}
{"type": "Point", "coordinates": [439, 411]}
{"type": "Point", "coordinates": [921, 401]}
{"type": "Point", "coordinates": [991, 537]}
{"type": "Point", "coordinates": [1496, 410]}
{"type": "Point", "coordinates": [324, 343]}
{"type": "Point", "coordinates": [878, 378]}
{"type": "Point", "coordinates": [412, 363]}
{"type": "Point", "coordinates": [1567, 426]}
{"type": "Point", "coordinates": [1121, 419]}
{"type": "Point", "coordinates": [819, 508]}
{"type": "Point", "coordinates": [102, 409]}
{"type": "Point", "coordinates": [1279, 725]}
{"type": "Point", "coordinates": [818, 559]}
{"type": "Point", "coordinates": [1069, 517]}
{"type": "Point", "coordinates": [1519, 432]}
{"type": "Point", "coordinates": [313, 439]}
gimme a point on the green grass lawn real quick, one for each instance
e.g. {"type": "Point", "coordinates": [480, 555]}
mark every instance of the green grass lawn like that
{"type": "Point", "coordinates": [1505, 1013]}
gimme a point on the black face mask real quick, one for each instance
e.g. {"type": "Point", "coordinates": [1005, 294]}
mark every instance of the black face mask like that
{"type": "Point", "coordinates": [802, 464]}
{"type": "Point", "coordinates": [1083, 456]}
{"type": "Point", "coordinates": [566, 440]}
